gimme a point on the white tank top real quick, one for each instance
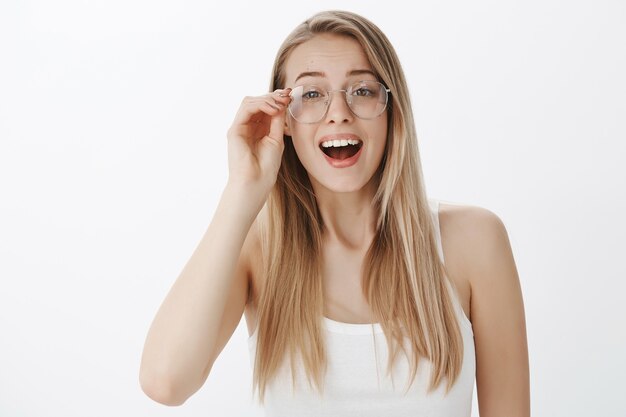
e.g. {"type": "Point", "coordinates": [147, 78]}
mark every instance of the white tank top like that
{"type": "Point", "coordinates": [356, 381]}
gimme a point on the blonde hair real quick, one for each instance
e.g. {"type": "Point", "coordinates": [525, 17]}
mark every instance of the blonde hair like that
{"type": "Point", "coordinates": [403, 279]}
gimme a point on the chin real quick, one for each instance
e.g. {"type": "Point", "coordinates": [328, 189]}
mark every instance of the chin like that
{"type": "Point", "coordinates": [344, 185]}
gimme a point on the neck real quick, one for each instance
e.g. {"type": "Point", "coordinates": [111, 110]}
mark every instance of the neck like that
{"type": "Point", "coordinates": [349, 217]}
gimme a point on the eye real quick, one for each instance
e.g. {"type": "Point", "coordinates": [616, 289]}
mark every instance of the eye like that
{"type": "Point", "coordinates": [363, 92]}
{"type": "Point", "coordinates": [311, 94]}
{"type": "Point", "coordinates": [366, 89]}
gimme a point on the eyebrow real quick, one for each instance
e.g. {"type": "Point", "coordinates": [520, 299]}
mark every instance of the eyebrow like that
{"type": "Point", "coordinates": [348, 74]}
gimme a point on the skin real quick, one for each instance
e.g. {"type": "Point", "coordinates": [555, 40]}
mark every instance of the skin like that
{"type": "Point", "coordinates": [477, 251]}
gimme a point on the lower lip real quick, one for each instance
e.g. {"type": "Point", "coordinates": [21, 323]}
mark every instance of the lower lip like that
{"type": "Point", "coordinates": [343, 163]}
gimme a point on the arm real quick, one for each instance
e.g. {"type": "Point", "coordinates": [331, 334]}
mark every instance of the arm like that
{"type": "Point", "coordinates": [203, 307]}
{"type": "Point", "coordinates": [497, 312]}
{"type": "Point", "coordinates": [205, 303]}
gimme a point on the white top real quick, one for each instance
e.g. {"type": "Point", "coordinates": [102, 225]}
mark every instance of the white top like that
{"type": "Point", "coordinates": [356, 382]}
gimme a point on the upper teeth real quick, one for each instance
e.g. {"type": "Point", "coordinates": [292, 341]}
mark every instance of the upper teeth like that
{"type": "Point", "coordinates": [340, 142]}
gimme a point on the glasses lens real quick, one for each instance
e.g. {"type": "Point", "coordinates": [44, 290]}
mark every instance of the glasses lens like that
{"type": "Point", "coordinates": [367, 99]}
{"type": "Point", "coordinates": [308, 103]}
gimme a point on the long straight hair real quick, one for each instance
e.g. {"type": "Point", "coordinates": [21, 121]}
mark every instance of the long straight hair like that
{"type": "Point", "coordinates": [403, 276]}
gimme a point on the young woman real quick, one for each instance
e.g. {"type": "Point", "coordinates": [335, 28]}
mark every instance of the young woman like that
{"type": "Point", "coordinates": [325, 237]}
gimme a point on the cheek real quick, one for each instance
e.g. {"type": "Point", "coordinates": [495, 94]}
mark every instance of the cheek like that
{"type": "Point", "coordinates": [380, 132]}
{"type": "Point", "coordinates": [302, 135]}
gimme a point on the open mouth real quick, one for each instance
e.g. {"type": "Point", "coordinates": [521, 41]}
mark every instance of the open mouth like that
{"type": "Point", "coordinates": [342, 152]}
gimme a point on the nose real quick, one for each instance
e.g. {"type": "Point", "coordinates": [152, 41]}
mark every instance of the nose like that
{"type": "Point", "coordinates": [338, 110]}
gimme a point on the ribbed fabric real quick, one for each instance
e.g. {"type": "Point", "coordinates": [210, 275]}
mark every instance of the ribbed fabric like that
{"type": "Point", "coordinates": [356, 382]}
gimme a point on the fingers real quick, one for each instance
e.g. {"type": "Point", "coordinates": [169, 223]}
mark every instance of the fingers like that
{"type": "Point", "coordinates": [254, 109]}
{"type": "Point", "coordinates": [277, 126]}
{"type": "Point", "coordinates": [282, 95]}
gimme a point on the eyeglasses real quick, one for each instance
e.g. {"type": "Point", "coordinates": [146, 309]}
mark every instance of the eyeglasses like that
{"type": "Point", "coordinates": [366, 99]}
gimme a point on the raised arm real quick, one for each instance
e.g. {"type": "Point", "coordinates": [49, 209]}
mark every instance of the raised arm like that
{"type": "Point", "coordinates": [206, 302]}
{"type": "Point", "coordinates": [207, 299]}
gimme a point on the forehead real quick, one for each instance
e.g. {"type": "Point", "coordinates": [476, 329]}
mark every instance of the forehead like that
{"type": "Point", "coordinates": [333, 55]}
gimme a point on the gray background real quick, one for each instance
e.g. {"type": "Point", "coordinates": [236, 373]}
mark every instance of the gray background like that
{"type": "Point", "coordinates": [113, 119]}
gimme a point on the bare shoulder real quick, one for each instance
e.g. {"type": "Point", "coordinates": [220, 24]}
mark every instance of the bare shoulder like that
{"type": "Point", "coordinates": [479, 243]}
{"type": "Point", "coordinates": [462, 227]}
{"type": "Point", "coordinates": [472, 233]}
{"type": "Point", "coordinates": [469, 220]}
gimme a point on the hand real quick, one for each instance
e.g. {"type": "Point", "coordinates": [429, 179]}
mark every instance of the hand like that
{"type": "Point", "coordinates": [255, 140]}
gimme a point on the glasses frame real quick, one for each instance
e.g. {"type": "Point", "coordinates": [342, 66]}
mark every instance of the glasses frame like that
{"type": "Point", "coordinates": [346, 97]}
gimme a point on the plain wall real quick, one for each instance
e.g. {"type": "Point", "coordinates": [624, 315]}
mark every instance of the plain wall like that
{"type": "Point", "coordinates": [113, 120]}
